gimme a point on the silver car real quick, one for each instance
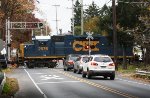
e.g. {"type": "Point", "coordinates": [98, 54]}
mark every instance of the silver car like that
{"type": "Point", "coordinates": [78, 65]}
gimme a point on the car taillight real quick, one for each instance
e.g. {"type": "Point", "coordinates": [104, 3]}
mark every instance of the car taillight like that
{"type": "Point", "coordinates": [111, 64]}
{"type": "Point", "coordinates": [94, 64]}
{"type": "Point", "coordinates": [70, 62]}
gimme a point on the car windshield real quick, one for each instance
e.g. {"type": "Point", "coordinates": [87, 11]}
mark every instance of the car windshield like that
{"type": "Point", "coordinates": [102, 59]}
{"type": "Point", "coordinates": [85, 59]}
{"type": "Point", "coordinates": [73, 58]}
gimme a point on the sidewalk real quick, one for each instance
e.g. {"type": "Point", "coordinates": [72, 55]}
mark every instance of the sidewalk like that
{"type": "Point", "coordinates": [26, 87]}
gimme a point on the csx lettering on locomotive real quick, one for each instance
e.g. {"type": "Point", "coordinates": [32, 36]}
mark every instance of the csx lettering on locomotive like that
{"type": "Point", "coordinates": [80, 45]}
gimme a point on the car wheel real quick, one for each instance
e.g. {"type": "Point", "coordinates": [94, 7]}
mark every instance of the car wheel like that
{"type": "Point", "coordinates": [89, 75]}
{"type": "Point", "coordinates": [78, 71]}
{"type": "Point", "coordinates": [64, 69]}
{"type": "Point", "coordinates": [105, 77]}
{"type": "Point", "coordinates": [74, 70]}
{"type": "Point", "coordinates": [112, 77]}
{"type": "Point", "coordinates": [83, 75]}
{"type": "Point", "coordinates": [67, 69]}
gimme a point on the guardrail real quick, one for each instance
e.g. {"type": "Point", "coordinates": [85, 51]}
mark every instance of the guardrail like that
{"type": "Point", "coordinates": [142, 73]}
{"type": "Point", "coordinates": [2, 83]}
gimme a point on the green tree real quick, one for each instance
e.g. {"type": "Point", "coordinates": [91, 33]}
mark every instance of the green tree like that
{"type": "Point", "coordinates": [136, 20]}
{"type": "Point", "coordinates": [91, 18]}
{"type": "Point", "coordinates": [105, 24]}
{"type": "Point", "coordinates": [92, 11]}
{"type": "Point", "coordinates": [77, 15]}
{"type": "Point", "coordinates": [77, 30]}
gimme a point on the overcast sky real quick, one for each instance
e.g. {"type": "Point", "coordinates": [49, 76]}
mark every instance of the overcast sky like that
{"type": "Point", "coordinates": [48, 12]}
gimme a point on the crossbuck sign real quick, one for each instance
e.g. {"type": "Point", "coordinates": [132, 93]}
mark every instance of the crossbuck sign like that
{"type": "Point", "coordinates": [89, 37]}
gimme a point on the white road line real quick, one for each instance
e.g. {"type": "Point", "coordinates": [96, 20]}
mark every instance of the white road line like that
{"type": "Point", "coordinates": [133, 82]}
{"type": "Point", "coordinates": [35, 84]}
{"type": "Point", "coordinates": [58, 82]}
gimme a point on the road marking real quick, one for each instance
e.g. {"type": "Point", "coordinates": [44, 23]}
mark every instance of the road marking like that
{"type": "Point", "coordinates": [58, 82]}
{"type": "Point", "coordinates": [48, 77]}
{"type": "Point", "coordinates": [38, 73]}
{"type": "Point", "coordinates": [99, 86]}
{"type": "Point", "coordinates": [134, 82]}
{"type": "Point", "coordinates": [35, 84]}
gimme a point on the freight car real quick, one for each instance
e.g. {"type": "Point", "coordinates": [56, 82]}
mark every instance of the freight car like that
{"type": "Point", "coordinates": [44, 50]}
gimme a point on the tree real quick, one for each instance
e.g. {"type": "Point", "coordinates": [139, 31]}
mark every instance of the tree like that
{"type": "Point", "coordinates": [91, 19]}
{"type": "Point", "coordinates": [91, 25]}
{"type": "Point", "coordinates": [20, 11]}
{"type": "Point", "coordinates": [105, 25]}
{"type": "Point", "coordinates": [105, 22]}
{"type": "Point", "coordinates": [136, 20]}
{"type": "Point", "coordinates": [77, 15]}
{"type": "Point", "coordinates": [142, 31]}
{"type": "Point", "coordinates": [92, 11]}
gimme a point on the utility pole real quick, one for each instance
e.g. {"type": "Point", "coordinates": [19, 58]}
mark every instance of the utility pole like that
{"type": "Point", "coordinates": [82, 17]}
{"type": "Point", "coordinates": [72, 19]}
{"type": "Point", "coordinates": [114, 33]}
{"type": "Point", "coordinates": [56, 18]}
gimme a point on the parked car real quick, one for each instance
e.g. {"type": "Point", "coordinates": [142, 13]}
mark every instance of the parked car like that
{"type": "Point", "coordinates": [3, 61]}
{"type": "Point", "coordinates": [69, 61]}
{"type": "Point", "coordinates": [99, 65]}
{"type": "Point", "coordinates": [78, 65]}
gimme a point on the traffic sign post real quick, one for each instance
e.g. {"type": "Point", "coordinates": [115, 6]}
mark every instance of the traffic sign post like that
{"type": "Point", "coordinates": [89, 37]}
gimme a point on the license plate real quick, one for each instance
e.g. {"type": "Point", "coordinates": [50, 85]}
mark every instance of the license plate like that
{"type": "Point", "coordinates": [103, 66]}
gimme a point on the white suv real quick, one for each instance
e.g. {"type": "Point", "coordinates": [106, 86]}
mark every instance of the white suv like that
{"type": "Point", "coordinates": [99, 65]}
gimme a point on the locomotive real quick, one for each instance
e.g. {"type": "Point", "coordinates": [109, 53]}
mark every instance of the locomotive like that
{"type": "Point", "coordinates": [45, 50]}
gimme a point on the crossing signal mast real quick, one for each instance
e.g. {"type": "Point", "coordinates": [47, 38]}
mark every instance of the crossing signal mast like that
{"type": "Point", "coordinates": [20, 25]}
{"type": "Point", "coordinates": [89, 37]}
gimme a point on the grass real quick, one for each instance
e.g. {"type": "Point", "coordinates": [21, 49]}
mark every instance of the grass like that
{"type": "Point", "coordinates": [7, 70]}
{"type": "Point", "coordinates": [131, 71]}
{"type": "Point", "coordinates": [10, 87]}
{"type": "Point", "coordinates": [131, 68]}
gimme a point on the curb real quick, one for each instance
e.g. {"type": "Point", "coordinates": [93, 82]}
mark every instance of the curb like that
{"type": "Point", "coordinates": [2, 84]}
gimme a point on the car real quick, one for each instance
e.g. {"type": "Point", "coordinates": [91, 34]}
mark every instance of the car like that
{"type": "Point", "coordinates": [69, 61]}
{"type": "Point", "coordinates": [79, 63]}
{"type": "Point", "coordinates": [99, 65]}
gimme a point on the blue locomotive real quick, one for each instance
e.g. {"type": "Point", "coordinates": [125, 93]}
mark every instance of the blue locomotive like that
{"type": "Point", "coordinates": [44, 50]}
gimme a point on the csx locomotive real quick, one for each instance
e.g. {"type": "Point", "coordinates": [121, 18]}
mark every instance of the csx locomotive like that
{"type": "Point", "coordinates": [44, 50]}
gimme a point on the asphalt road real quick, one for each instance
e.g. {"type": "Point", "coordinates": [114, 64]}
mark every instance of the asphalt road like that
{"type": "Point", "coordinates": [56, 83]}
